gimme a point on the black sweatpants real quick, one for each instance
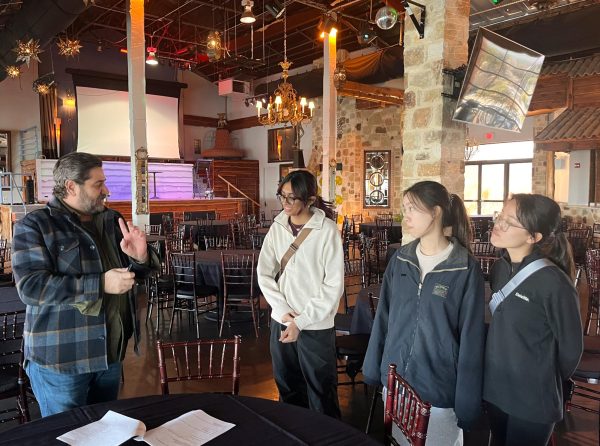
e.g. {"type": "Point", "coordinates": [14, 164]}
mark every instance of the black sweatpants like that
{"type": "Point", "coordinates": [508, 430]}
{"type": "Point", "coordinates": [305, 371]}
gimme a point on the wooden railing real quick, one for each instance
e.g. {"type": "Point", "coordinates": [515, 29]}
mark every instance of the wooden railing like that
{"type": "Point", "coordinates": [230, 185]}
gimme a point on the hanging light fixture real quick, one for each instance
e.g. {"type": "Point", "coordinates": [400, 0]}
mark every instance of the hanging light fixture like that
{"type": "Point", "coordinates": [68, 47]}
{"type": "Point", "coordinates": [28, 50]}
{"type": "Point", "coordinates": [13, 71]}
{"type": "Point", "coordinates": [247, 15]}
{"type": "Point", "coordinates": [386, 17]}
{"type": "Point", "coordinates": [151, 59]}
{"type": "Point", "coordinates": [214, 47]}
{"type": "Point", "coordinates": [286, 108]}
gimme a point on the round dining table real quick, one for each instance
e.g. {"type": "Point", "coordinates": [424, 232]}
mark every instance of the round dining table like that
{"type": "Point", "coordinates": [394, 233]}
{"type": "Point", "coordinates": [217, 227]}
{"type": "Point", "coordinates": [257, 421]}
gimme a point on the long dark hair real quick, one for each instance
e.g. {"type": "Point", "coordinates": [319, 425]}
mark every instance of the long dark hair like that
{"type": "Point", "coordinates": [429, 194]}
{"type": "Point", "coordinates": [540, 214]}
{"type": "Point", "coordinates": [304, 185]}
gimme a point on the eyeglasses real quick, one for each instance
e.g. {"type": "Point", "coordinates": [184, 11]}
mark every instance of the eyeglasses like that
{"type": "Point", "coordinates": [503, 224]}
{"type": "Point", "coordinates": [287, 199]}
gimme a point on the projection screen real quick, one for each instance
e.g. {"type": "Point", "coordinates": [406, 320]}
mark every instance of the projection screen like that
{"type": "Point", "coordinates": [103, 123]}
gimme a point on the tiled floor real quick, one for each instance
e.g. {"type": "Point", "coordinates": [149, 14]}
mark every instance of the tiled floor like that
{"type": "Point", "coordinates": [141, 378]}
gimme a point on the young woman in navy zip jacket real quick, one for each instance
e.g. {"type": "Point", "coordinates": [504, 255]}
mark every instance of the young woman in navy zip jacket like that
{"type": "Point", "coordinates": [430, 317]}
{"type": "Point", "coordinates": [535, 338]}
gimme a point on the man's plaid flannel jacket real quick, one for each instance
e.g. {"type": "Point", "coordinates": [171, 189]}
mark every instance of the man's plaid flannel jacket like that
{"type": "Point", "coordinates": [56, 263]}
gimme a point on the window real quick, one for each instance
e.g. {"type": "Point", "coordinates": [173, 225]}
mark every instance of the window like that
{"type": "Point", "coordinates": [494, 172]}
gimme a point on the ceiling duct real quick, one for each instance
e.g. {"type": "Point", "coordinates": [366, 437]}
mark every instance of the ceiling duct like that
{"type": "Point", "coordinates": [39, 20]}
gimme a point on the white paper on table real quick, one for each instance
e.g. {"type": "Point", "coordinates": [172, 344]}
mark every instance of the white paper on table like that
{"type": "Point", "coordinates": [194, 428]}
{"type": "Point", "coordinates": [111, 430]}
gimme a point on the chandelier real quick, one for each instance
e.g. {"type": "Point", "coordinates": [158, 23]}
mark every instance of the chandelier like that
{"type": "Point", "coordinates": [285, 107]}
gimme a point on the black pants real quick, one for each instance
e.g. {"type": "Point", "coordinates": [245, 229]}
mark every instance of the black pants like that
{"type": "Point", "coordinates": [305, 371]}
{"type": "Point", "coordinates": [508, 430]}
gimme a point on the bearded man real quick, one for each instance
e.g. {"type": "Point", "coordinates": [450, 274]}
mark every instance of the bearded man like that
{"type": "Point", "coordinates": [75, 263]}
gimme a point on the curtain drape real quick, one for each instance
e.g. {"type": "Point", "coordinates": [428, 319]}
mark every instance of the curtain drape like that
{"type": "Point", "coordinates": [48, 115]}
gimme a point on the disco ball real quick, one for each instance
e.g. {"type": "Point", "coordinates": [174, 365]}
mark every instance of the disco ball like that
{"type": "Point", "coordinates": [386, 17]}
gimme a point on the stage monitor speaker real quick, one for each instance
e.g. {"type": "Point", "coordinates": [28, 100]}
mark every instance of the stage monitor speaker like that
{"type": "Point", "coordinates": [29, 191]}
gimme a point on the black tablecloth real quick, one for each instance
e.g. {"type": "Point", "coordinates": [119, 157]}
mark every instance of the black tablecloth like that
{"type": "Point", "coordinates": [217, 227]}
{"type": "Point", "coordinates": [257, 421]}
{"type": "Point", "coordinates": [394, 234]}
{"type": "Point", "coordinates": [208, 265]}
{"type": "Point", "coordinates": [391, 251]}
{"type": "Point", "coordinates": [362, 320]}
{"type": "Point", "coordinates": [9, 300]}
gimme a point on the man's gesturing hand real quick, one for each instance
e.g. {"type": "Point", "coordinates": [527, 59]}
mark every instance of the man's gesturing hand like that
{"type": "Point", "coordinates": [118, 281]}
{"type": "Point", "coordinates": [134, 241]}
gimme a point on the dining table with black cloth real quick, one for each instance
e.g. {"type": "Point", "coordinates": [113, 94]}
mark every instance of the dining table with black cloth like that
{"type": "Point", "coordinates": [362, 319]}
{"type": "Point", "coordinates": [9, 300]}
{"type": "Point", "coordinates": [394, 233]}
{"type": "Point", "coordinates": [161, 239]}
{"type": "Point", "coordinates": [391, 251]}
{"type": "Point", "coordinates": [219, 228]}
{"type": "Point", "coordinates": [257, 421]}
{"type": "Point", "coordinates": [210, 273]}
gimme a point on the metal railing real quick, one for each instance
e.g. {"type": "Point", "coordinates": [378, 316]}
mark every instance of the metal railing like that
{"type": "Point", "coordinates": [230, 185]}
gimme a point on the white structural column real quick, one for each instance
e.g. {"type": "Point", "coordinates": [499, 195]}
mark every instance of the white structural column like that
{"type": "Point", "coordinates": [136, 70]}
{"type": "Point", "coordinates": [329, 114]}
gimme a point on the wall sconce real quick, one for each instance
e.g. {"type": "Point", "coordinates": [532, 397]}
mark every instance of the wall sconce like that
{"type": "Point", "coordinates": [453, 82]}
{"type": "Point", "coordinates": [69, 100]}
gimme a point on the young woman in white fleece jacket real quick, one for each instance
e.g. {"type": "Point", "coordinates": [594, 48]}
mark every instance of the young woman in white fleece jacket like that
{"type": "Point", "coordinates": [305, 298]}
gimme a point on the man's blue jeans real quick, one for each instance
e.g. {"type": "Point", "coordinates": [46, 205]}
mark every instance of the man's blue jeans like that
{"type": "Point", "coordinates": [57, 392]}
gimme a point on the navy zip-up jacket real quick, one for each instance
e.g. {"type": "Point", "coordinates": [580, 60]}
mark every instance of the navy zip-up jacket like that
{"type": "Point", "coordinates": [432, 330]}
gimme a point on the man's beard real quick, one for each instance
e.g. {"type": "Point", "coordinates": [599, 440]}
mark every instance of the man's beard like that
{"type": "Point", "coordinates": [91, 206]}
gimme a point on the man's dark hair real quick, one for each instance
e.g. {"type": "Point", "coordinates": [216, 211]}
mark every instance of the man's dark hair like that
{"type": "Point", "coordinates": [75, 166]}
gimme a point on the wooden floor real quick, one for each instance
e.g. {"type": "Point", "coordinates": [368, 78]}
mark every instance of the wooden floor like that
{"type": "Point", "coordinates": [141, 378]}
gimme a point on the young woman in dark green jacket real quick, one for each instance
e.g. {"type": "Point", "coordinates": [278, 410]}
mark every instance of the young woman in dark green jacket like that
{"type": "Point", "coordinates": [535, 338]}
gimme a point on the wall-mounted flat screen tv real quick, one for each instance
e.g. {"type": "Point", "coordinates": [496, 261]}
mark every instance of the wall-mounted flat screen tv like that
{"type": "Point", "coordinates": [499, 83]}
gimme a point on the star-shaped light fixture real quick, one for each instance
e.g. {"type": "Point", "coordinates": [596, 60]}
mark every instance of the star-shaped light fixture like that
{"type": "Point", "coordinates": [13, 71]}
{"type": "Point", "coordinates": [68, 47]}
{"type": "Point", "coordinates": [28, 50]}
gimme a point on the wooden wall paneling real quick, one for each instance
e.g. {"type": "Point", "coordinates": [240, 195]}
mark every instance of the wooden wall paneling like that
{"type": "Point", "coordinates": [586, 92]}
{"type": "Point", "coordinates": [550, 93]}
{"type": "Point", "coordinates": [244, 174]}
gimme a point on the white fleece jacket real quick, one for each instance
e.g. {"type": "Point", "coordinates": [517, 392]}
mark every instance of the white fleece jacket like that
{"type": "Point", "coordinates": [313, 280]}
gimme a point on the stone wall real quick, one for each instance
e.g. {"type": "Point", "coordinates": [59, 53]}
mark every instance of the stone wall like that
{"type": "Point", "coordinates": [542, 164]}
{"type": "Point", "coordinates": [357, 131]}
{"type": "Point", "coordinates": [581, 214]}
{"type": "Point", "coordinates": [433, 143]}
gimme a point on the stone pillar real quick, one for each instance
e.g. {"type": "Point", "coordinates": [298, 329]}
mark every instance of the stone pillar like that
{"type": "Point", "coordinates": [136, 70]}
{"type": "Point", "coordinates": [433, 143]}
{"type": "Point", "coordinates": [542, 162]}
